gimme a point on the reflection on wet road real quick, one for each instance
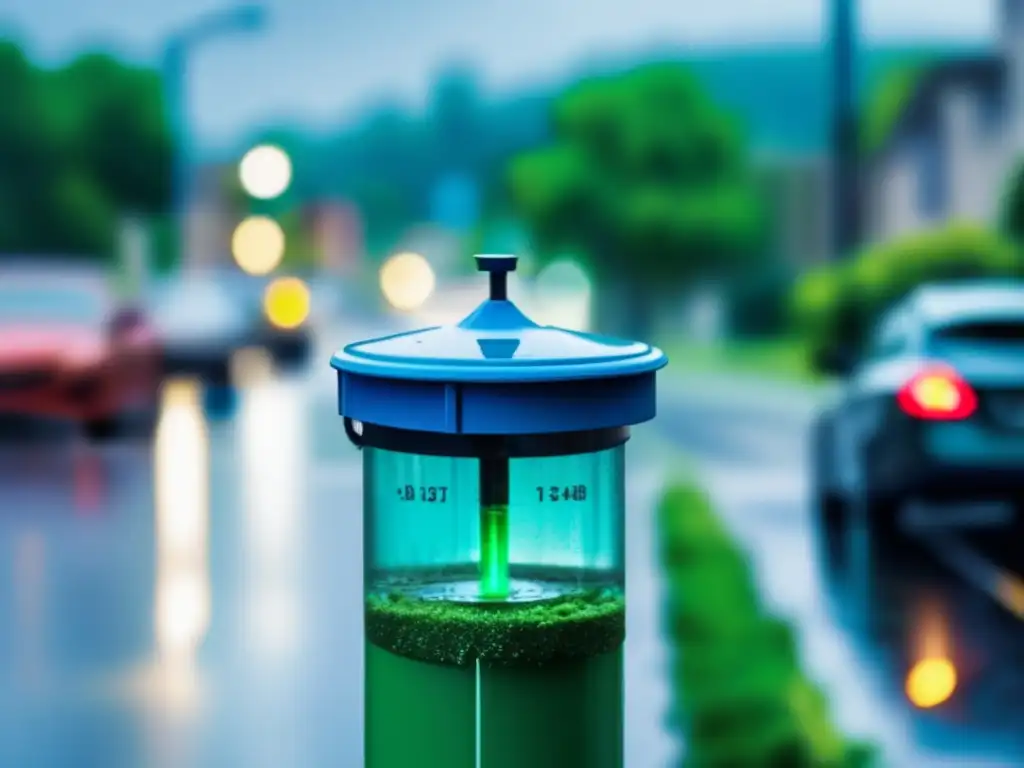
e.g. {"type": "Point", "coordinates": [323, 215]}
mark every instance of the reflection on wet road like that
{"type": "Point", "coordinates": [168, 687]}
{"type": "Point", "coordinates": [876, 636]}
{"type": "Point", "coordinates": [928, 615]}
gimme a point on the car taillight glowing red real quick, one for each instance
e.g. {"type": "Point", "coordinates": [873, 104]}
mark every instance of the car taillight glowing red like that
{"type": "Point", "coordinates": [937, 393]}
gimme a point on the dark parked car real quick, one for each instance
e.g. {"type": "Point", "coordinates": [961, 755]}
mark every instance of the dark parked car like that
{"type": "Point", "coordinates": [204, 317]}
{"type": "Point", "coordinates": [929, 427]}
{"type": "Point", "coordinates": [202, 322]}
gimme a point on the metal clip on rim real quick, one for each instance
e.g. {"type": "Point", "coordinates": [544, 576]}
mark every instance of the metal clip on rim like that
{"type": "Point", "coordinates": [354, 437]}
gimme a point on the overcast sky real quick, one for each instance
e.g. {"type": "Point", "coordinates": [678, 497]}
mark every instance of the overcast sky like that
{"type": "Point", "coordinates": [321, 59]}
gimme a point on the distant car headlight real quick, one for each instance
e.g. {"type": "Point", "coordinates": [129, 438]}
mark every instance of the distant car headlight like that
{"type": "Point", "coordinates": [286, 303]}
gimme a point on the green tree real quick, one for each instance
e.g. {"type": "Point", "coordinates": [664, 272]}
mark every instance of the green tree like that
{"type": "Point", "coordinates": [119, 128]}
{"type": "Point", "coordinates": [31, 157]}
{"type": "Point", "coordinates": [648, 179]}
{"type": "Point", "coordinates": [80, 145]}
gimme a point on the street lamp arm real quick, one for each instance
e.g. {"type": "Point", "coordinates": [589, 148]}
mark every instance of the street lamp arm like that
{"type": "Point", "coordinates": [178, 47]}
{"type": "Point", "coordinates": [240, 18]}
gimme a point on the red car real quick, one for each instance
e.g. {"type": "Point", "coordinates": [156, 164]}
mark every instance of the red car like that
{"type": "Point", "coordinates": [68, 349]}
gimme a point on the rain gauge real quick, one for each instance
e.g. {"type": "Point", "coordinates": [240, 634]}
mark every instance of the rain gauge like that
{"type": "Point", "coordinates": [494, 536]}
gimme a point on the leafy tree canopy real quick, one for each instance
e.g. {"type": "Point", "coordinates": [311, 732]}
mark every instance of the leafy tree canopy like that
{"type": "Point", "coordinates": [646, 175]}
{"type": "Point", "coordinates": [80, 145]}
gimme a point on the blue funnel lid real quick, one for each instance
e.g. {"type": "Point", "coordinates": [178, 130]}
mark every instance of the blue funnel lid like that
{"type": "Point", "coordinates": [497, 343]}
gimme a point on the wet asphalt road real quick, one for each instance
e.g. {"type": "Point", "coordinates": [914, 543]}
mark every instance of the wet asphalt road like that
{"type": "Point", "coordinates": [862, 630]}
{"type": "Point", "coordinates": [194, 600]}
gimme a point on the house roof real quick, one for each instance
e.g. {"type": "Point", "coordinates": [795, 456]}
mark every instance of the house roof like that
{"type": "Point", "coordinates": [984, 74]}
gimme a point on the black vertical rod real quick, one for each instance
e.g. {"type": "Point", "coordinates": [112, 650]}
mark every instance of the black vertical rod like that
{"type": "Point", "coordinates": [494, 481]}
{"type": "Point", "coordinates": [494, 541]}
{"type": "Point", "coordinates": [499, 285]}
{"type": "Point", "coordinates": [845, 178]}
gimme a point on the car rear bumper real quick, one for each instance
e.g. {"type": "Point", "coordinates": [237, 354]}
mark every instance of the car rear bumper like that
{"type": "Point", "coordinates": [84, 400]}
{"type": "Point", "coordinates": [941, 483]}
{"type": "Point", "coordinates": [947, 462]}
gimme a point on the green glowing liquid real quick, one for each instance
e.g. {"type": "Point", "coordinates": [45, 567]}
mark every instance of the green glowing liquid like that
{"type": "Point", "coordinates": [418, 714]}
{"type": "Point", "coordinates": [564, 715]}
{"type": "Point", "coordinates": [494, 581]}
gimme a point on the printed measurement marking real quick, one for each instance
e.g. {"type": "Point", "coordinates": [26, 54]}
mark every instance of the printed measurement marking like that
{"type": "Point", "coordinates": [562, 493]}
{"type": "Point", "coordinates": [429, 494]}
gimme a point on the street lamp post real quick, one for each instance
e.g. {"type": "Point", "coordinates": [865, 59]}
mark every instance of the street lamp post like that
{"type": "Point", "coordinates": [175, 75]}
{"type": "Point", "coordinates": [174, 65]}
{"type": "Point", "coordinates": [846, 187]}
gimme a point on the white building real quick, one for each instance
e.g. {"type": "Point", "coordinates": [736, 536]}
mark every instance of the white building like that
{"type": "Point", "coordinates": [795, 189]}
{"type": "Point", "coordinates": [953, 145]}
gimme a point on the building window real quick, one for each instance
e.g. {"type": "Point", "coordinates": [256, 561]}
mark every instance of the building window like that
{"type": "Point", "coordinates": [932, 172]}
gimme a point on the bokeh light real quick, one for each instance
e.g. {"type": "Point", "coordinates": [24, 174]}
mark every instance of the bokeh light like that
{"type": "Point", "coordinates": [407, 281]}
{"type": "Point", "coordinates": [562, 295]}
{"type": "Point", "coordinates": [265, 172]}
{"type": "Point", "coordinates": [286, 302]}
{"type": "Point", "coordinates": [258, 245]}
{"type": "Point", "coordinates": [1011, 593]}
{"type": "Point", "coordinates": [931, 682]}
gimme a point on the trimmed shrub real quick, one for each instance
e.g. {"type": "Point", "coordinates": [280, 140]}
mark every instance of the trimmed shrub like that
{"type": "Point", "coordinates": [740, 697]}
{"type": "Point", "coordinates": [836, 306]}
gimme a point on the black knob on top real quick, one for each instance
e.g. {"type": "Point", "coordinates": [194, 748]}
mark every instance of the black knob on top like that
{"type": "Point", "coordinates": [497, 266]}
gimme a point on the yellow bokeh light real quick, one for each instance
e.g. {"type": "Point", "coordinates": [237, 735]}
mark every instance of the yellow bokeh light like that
{"type": "Point", "coordinates": [265, 172]}
{"type": "Point", "coordinates": [407, 281]}
{"type": "Point", "coordinates": [258, 245]}
{"type": "Point", "coordinates": [286, 303]}
{"type": "Point", "coordinates": [931, 682]}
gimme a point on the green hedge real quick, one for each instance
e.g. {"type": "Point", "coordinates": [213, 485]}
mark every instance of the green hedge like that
{"type": "Point", "coordinates": [836, 306]}
{"type": "Point", "coordinates": [740, 698]}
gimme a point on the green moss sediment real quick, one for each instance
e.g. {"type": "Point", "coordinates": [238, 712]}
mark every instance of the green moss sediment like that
{"type": "Point", "coordinates": [534, 634]}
